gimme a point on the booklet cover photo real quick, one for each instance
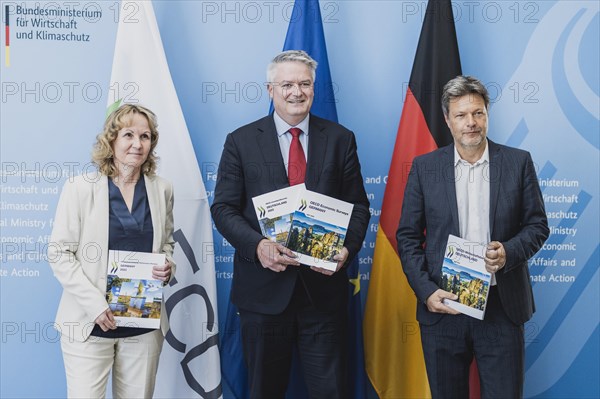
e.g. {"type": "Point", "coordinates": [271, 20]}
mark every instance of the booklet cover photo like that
{"type": "Point", "coordinates": [132, 295]}
{"type": "Point", "coordinates": [311, 224]}
{"type": "Point", "coordinates": [464, 274]}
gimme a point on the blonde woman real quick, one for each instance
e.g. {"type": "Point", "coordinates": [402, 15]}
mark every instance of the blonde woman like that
{"type": "Point", "coordinates": [124, 206]}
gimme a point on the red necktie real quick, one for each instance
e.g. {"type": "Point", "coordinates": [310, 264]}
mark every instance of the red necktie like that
{"type": "Point", "coordinates": [297, 161]}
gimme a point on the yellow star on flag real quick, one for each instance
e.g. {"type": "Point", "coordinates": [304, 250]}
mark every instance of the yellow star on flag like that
{"type": "Point", "coordinates": [356, 283]}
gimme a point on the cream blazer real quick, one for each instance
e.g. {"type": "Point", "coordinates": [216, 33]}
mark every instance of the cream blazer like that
{"type": "Point", "coordinates": [78, 250]}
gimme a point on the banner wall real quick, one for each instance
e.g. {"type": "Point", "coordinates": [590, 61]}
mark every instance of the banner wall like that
{"type": "Point", "coordinates": [539, 60]}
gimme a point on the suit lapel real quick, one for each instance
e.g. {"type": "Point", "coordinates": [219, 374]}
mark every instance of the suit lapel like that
{"type": "Point", "coordinates": [102, 213]}
{"type": "Point", "coordinates": [153, 200]}
{"type": "Point", "coordinates": [449, 181]}
{"type": "Point", "coordinates": [495, 170]}
{"type": "Point", "coordinates": [317, 148]}
{"type": "Point", "coordinates": [269, 146]}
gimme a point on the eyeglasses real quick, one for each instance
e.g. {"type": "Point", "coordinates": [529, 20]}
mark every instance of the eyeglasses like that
{"type": "Point", "coordinates": [305, 85]}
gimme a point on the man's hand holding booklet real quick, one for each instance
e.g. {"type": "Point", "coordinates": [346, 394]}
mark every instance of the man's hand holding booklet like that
{"type": "Point", "coordinates": [310, 224]}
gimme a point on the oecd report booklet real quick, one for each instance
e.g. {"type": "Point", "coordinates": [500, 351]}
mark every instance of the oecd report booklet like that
{"type": "Point", "coordinates": [275, 211]}
{"type": "Point", "coordinates": [133, 296]}
{"type": "Point", "coordinates": [312, 225]}
{"type": "Point", "coordinates": [318, 230]}
{"type": "Point", "coordinates": [464, 274]}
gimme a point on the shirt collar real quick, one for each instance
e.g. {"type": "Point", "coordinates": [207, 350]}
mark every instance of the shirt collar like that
{"type": "Point", "coordinates": [282, 126]}
{"type": "Point", "coordinates": [485, 157]}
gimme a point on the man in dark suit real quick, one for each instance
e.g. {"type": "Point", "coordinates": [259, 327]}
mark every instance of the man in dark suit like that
{"type": "Point", "coordinates": [485, 193]}
{"type": "Point", "coordinates": [281, 302]}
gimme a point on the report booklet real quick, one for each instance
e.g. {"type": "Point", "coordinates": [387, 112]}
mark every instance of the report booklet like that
{"type": "Point", "coordinates": [133, 296]}
{"type": "Point", "coordinates": [464, 274]}
{"type": "Point", "coordinates": [318, 230]}
{"type": "Point", "coordinates": [275, 210]}
{"type": "Point", "coordinates": [312, 225]}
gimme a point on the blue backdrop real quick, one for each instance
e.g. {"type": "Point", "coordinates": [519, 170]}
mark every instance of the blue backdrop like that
{"type": "Point", "coordinates": [539, 59]}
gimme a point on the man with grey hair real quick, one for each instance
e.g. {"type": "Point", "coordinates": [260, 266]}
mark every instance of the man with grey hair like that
{"type": "Point", "coordinates": [485, 193]}
{"type": "Point", "coordinates": [291, 56]}
{"type": "Point", "coordinates": [283, 304]}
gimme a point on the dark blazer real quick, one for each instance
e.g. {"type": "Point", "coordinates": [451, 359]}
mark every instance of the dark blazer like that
{"type": "Point", "coordinates": [430, 213]}
{"type": "Point", "coordinates": [251, 165]}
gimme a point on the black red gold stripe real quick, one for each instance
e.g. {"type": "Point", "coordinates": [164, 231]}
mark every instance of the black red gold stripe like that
{"type": "Point", "coordinates": [6, 36]}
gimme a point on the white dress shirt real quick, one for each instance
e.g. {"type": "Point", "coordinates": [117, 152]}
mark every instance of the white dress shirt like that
{"type": "Point", "coordinates": [472, 182]}
{"type": "Point", "coordinates": [285, 137]}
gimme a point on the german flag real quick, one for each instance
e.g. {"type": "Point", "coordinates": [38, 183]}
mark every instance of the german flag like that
{"type": "Point", "coordinates": [393, 352]}
{"type": "Point", "coordinates": [6, 36]}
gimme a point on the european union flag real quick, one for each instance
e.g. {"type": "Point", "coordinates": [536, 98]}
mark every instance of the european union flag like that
{"type": "Point", "coordinates": [233, 367]}
{"type": "Point", "coordinates": [357, 376]}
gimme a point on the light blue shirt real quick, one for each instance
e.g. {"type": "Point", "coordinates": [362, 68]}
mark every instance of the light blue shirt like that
{"type": "Point", "coordinates": [285, 137]}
